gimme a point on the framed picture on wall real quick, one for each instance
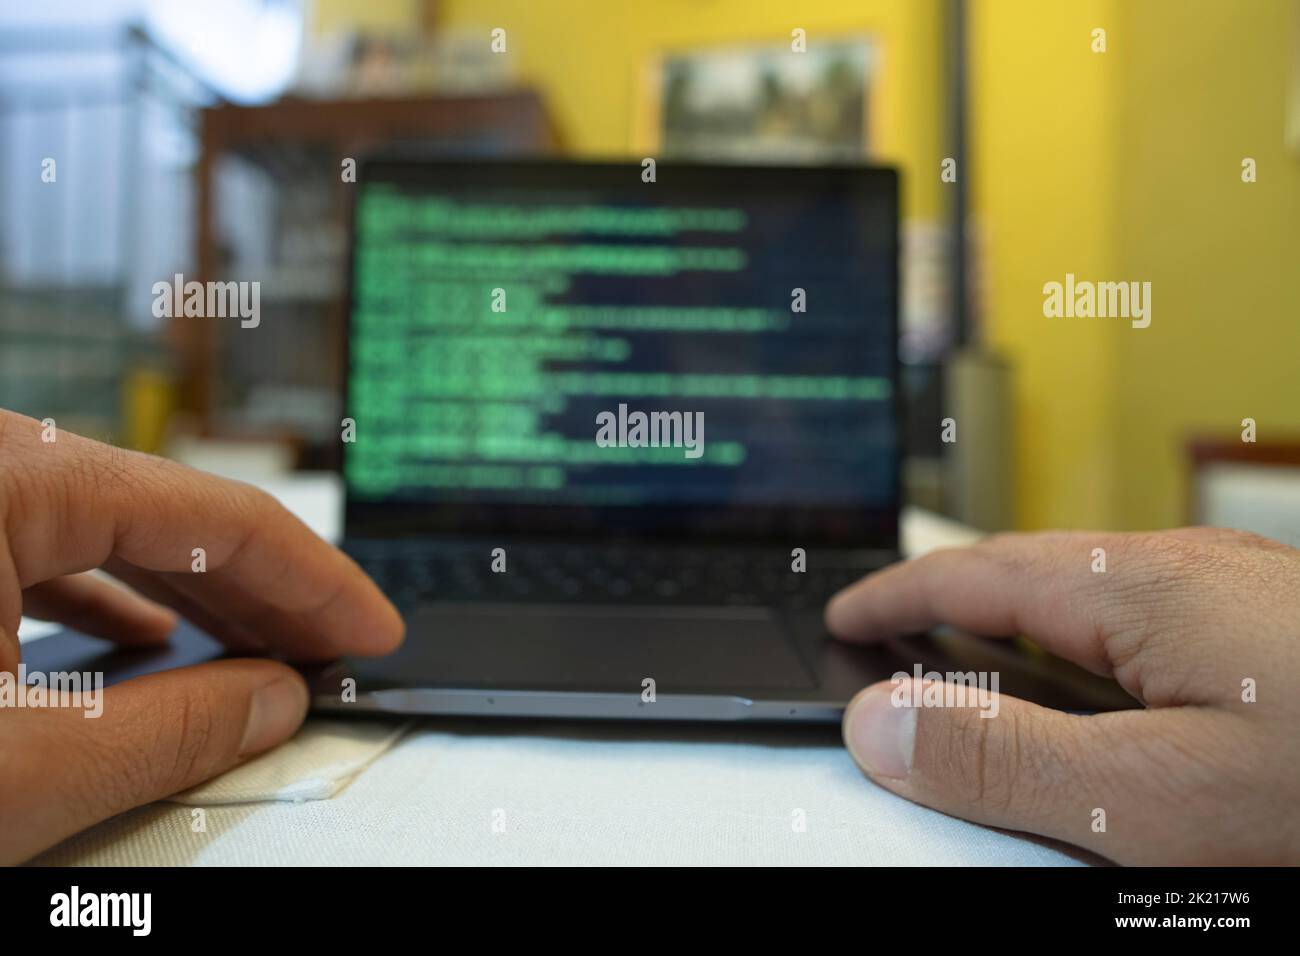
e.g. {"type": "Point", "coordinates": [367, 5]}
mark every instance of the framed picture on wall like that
{"type": "Point", "coordinates": [761, 102]}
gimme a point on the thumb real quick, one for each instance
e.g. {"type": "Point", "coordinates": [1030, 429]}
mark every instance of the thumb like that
{"type": "Point", "coordinates": [155, 735]}
{"type": "Point", "coordinates": [1007, 763]}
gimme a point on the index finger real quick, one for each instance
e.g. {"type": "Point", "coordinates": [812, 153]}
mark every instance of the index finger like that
{"type": "Point", "coordinates": [71, 504]}
{"type": "Point", "coordinates": [1041, 585]}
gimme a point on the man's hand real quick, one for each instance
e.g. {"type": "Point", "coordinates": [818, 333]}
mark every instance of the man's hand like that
{"type": "Point", "coordinates": [1187, 622]}
{"type": "Point", "coordinates": [270, 585]}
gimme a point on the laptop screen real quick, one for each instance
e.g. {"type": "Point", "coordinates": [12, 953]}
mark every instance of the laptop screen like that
{"type": "Point", "coordinates": [556, 346]}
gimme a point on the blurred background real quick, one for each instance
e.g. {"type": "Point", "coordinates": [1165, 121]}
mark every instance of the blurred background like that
{"type": "Point", "coordinates": [206, 138]}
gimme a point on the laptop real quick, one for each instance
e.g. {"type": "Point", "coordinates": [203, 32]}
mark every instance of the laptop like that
{"type": "Point", "coordinates": [612, 438]}
{"type": "Point", "coordinates": [618, 434]}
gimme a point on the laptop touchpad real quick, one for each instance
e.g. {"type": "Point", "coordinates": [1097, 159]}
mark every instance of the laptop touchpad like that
{"type": "Point", "coordinates": [596, 648]}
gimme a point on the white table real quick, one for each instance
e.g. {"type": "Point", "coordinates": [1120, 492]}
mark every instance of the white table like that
{"type": "Point", "coordinates": [471, 792]}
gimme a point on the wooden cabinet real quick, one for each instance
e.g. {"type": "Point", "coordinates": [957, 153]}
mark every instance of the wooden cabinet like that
{"type": "Point", "coordinates": [271, 208]}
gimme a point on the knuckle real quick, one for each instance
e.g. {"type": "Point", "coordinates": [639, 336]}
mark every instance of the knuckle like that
{"type": "Point", "coordinates": [1174, 559]}
{"type": "Point", "coordinates": [981, 762]}
{"type": "Point", "coordinates": [1156, 552]}
{"type": "Point", "coordinates": [998, 764]}
{"type": "Point", "coordinates": [967, 758]}
{"type": "Point", "coordinates": [1001, 547]}
{"type": "Point", "coordinates": [1238, 537]}
{"type": "Point", "coordinates": [258, 502]}
{"type": "Point", "coordinates": [256, 510]}
{"type": "Point", "coordinates": [1154, 574]}
{"type": "Point", "coordinates": [1016, 554]}
{"type": "Point", "coordinates": [1227, 537]}
{"type": "Point", "coordinates": [259, 513]}
{"type": "Point", "coordinates": [183, 743]}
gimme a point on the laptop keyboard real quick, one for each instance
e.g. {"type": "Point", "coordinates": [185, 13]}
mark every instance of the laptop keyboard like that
{"type": "Point", "coordinates": [412, 573]}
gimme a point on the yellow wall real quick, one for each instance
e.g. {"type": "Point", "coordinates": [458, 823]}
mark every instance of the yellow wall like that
{"type": "Point", "coordinates": [1042, 170]}
{"type": "Point", "coordinates": [397, 16]}
{"type": "Point", "coordinates": [1123, 165]}
{"type": "Point", "coordinates": [1126, 165]}
{"type": "Point", "coordinates": [589, 56]}
{"type": "Point", "coordinates": [1204, 84]}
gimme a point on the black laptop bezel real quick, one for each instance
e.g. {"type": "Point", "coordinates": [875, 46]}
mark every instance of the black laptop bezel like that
{"type": "Point", "coordinates": [857, 528]}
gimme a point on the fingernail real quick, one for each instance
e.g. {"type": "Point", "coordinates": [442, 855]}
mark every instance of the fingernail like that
{"type": "Point", "coordinates": [879, 735]}
{"type": "Point", "coordinates": [274, 715]}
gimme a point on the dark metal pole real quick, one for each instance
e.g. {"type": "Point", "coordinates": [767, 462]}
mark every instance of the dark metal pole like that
{"type": "Point", "coordinates": [956, 36]}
